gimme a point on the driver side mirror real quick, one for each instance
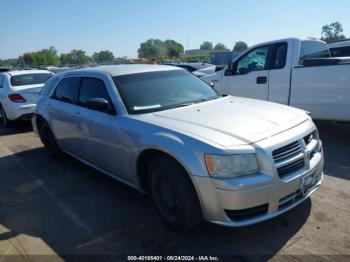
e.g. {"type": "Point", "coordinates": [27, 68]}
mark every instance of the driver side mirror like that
{"type": "Point", "coordinates": [100, 104]}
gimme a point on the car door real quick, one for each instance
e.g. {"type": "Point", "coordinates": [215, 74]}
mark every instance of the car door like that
{"type": "Point", "coordinates": [248, 76]}
{"type": "Point", "coordinates": [63, 113]}
{"type": "Point", "coordinates": [106, 141]}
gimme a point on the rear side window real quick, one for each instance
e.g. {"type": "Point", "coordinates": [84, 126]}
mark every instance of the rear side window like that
{"type": "Point", "coordinates": [279, 56]}
{"type": "Point", "coordinates": [340, 51]}
{"type": "Point", "coordinates": [1, 80]}
{"type": "Point", "coordinates": [313, 49]}
{"type": "Point", "coordinates": [92, 88]}
{"type": "Point", "coordinates": [67, 89]}
{"type": "Point", "coordinates": [30, 79]}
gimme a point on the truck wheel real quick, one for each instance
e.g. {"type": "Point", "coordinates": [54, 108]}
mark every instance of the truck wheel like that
{"type": "Point", "coordinates": [174, 194]}
{"type": "Point", "coordinates": [48, 139]}
{"type": "Point", "coordinates": [4, 120]}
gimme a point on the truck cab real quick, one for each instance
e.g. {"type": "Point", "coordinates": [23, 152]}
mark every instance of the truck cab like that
{"type": "Point", "coordinates": [296, 72]}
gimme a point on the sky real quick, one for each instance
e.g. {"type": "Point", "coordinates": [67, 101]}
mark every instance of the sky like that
{"type": "Point", "coordinates": [120, 26]}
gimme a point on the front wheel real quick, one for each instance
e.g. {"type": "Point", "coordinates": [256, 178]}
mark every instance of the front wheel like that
{"type": "Point", "coordinates": [174, 194]}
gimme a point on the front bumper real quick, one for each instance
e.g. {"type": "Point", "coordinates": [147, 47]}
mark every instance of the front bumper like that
{"type": "Point", "coordinates": [220, 198]}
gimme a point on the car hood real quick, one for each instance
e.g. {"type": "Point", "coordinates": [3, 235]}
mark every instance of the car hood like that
{"type": "Point", "coordinates": [230, 121]}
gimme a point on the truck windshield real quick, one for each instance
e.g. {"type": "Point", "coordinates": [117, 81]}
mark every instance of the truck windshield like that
{"type": "Point", "coordinates": [30, 79]}
{"type": "Point", "coordinates": [157, 91]}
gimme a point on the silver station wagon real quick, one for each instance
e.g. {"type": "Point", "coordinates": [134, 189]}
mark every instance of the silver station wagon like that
{"type": "Point", "coordinates": [229, 160]}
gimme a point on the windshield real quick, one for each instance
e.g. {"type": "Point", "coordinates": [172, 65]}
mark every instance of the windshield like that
{"type": "Point", "coordinates": [30, 79]}
{"type": "Point", "coordinates": [156, 91]}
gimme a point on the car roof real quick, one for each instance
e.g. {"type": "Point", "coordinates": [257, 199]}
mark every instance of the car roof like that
{"type": "Point", "coordinates": [25, 72]}
{"type": "Point", "coordinates": [118, 70]}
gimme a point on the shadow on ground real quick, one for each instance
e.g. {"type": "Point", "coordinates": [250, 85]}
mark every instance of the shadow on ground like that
{"type": "Point", "coordinates": [16, 128]}
{"type": "Point", "coordinates": [336, 145]}
{"type": "Point", "coordinates": [76, 210]}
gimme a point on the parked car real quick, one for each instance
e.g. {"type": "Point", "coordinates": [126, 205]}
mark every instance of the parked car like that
{"type": "Point", "coordinates": [340, 48]}
{"type": "Point", "coordinates": [293, 72]}
{"type": "Point", "coordinates": [232, 161]}
{"type": "Point", "coordinates": [19, 91]}
{"type": "Point", "coordinates": [191, 67]}
{"type": "Point", "coordinates": [208, 70]}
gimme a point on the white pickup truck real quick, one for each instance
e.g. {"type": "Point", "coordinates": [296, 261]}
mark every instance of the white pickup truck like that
{"type": "Point", "coordinates": [293, 72]}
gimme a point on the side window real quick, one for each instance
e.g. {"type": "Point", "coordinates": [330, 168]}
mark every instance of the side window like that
{"type": "Point", "coordinates": [67, 89]}
{"type": "Point", "coordinates": [255, 60]}
{"type": "Point", "coordinates": [1, 79]}
{"type": "Point", "coordinates": [279, 56]}
{"type": "Point", "coordinates": [313, 49]}
{"type": "Point", "coordinates": [340, 51]}
{"type": "Point", "coordinates": [92, 88]}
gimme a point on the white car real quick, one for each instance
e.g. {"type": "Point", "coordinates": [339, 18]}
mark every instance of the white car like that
{"type": "Point", "coordinates": [19, 92]}
{"type": "Point", "coordinates": [295, 72]}
{"type": "Point", "coordinates": [231, 161]}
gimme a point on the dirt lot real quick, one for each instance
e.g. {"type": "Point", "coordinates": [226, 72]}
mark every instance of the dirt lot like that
{"type": "Point", "coordinates": [63, 208]}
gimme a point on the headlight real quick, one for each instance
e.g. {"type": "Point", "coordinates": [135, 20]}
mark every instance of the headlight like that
{"type": "Point", "coordinates": [229, 166]}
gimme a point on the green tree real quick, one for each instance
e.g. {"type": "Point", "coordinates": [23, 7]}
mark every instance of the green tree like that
{"type": "Point", "coordinates": [43, 57]}
{"type": "Point", "coordinates": [1, 62]}
{"type": "Point", "coordinates": [206, 45]}
{"type": "Point", "coordinates": [103, 56]}
{"type": "Point", "coordinates": [174, 49]}
{"type": "Point", "coordinates": [220, 46]}
{"type": "Point", "coordinates": [240, 46]}
{"type": "Point", "coordinates": [332, 32]}
{"type": "Point", "coordinates": [66, 59]}
{"type": "Point", "coordinates": [29, 58]}
{"type": "Point", "coordinates": [76, 56]}
{"type": "Point", "coordinates": [48, 56]}
{"type": "Point", "coordinates": [152, 48]}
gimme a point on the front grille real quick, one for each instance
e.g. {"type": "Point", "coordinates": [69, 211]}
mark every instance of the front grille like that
{"type": "Point", "coordinates": [290, 168]}
{"type": "Point", "coordinates": [242, 214]}
{"type": "Point", "coordinates": [286, 152]}
{"type": "Point", "coordinates": [288, 159]}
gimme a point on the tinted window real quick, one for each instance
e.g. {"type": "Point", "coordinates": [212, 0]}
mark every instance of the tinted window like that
{"type": "Point", "coordinates": [1, 80]}
{"type": "Point", "coordinates": [30, 79]}
{"type": "Point", "coordinates": [313, 49]}
{"type": "Point", "coordinates": [255, 60]}
{"type": "Point", "coordinates": [67, 89]}
{"type": "Point", "coordinates": [155, 91]}
{"type": "Point", "coordinates": [279, 56]}
{"type": "Point", "coordinates": [340, 51]}
{"type": "Point", "coordinates": [92, 88]}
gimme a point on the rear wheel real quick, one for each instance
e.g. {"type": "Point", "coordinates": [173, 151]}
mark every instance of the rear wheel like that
{"type": "Point", "coordinates": [174, 194]}
{"type": "Point", "coordinates": [48, 139]}
{"type": "Point", "coordinates": [4, 120]}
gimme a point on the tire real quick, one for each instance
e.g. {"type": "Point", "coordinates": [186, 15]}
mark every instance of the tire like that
{"type": "Point", "coordinates": [4, 120]}
{"type": "Point", "coordinates": [48, 139]}
{"type": "Point", "coordinates": [174, 194]}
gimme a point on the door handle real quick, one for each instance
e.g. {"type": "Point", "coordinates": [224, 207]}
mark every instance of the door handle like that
{"type": "Point", "coordinates": [261, 80]}
{"type": "Point", "coordinates": [77, 113]}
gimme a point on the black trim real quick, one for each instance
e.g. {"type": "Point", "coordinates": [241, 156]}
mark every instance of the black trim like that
{"type": "Point", "coordinates": [307, 66]}
{"type": "Point", "coordinates": [248, 213]}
